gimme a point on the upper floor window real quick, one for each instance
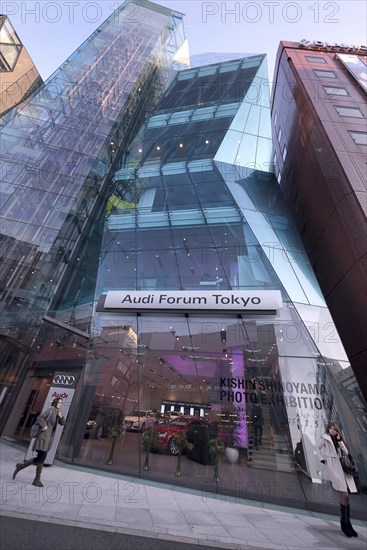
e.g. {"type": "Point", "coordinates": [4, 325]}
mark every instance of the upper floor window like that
{"type": "Point", "coordinates": [279, 134]}
{"type": "Point", "coordinates": [325, 74]}
{"type": "Point", "coordinates": [284, 153]}
{"type": "Point", "coordinates": [360, 138]}
{"type": "Point", "coordinates": [353, 112]}
{"type": "Point", "coordinates": [275, 119]}
{"type": "Point", "coordinates": [315, 59]}
{"type": "Point", "coordinates": [333, 90]}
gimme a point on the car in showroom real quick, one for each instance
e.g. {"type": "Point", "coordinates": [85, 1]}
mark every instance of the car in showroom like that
{"type": "Point", "coordinates": [163, 418]}
{"type": "Point", "coordinates": [139, 421]}
{"type": "Point", "coordinates": [166, 432]}
{"type": "Point", "coordinates": [101, 421]}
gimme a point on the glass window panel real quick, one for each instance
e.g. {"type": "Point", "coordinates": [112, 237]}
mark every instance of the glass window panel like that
{"type": "Point", "coordinates": [8, 34]}
{"type": "Point", "coordinates": [227, 110]}
{"type": "Point", "coordinates": [157, 121]}
{"type": "Point", "coordinates": [315, 59]}
{"type": "Point", "coordinates": [8, 55]}
{"type": "Point", "coordinates": [333, 90]}
{"type": "Point", "coordinates": [179, 118]}
{"type": "Point", "coordinates": [229, 67]}
{"type": "Point", "coordinates": [253, 120]}
{"type": "Point", "coordinates": [265, 123]}
{"type": "Point", "coordinates": [325, 74]}
{"type": "Point", "coordinates": [352, 112]}
{"type": "Point", "coordinates": [174, 168]}
{"type": "Point", "coordinates": [360, 138]}
{"type": "Point", "coordinates": [205, 71]}
{"type": "Point", "coordinates": [207, 144]}
{"type": "Point", "coordinates": [201, 166]}
{"type": "Point", "coordinates": [239, 121]}
{"type": "Point", "coordinates": [214, 194]}
{"type": "Point", "coordinates": [264, 151]}
{"type": "Point", "coordinates": [187, 75]}
{"type": "Point", "coordinates": [181, 148]}
{"type": "Point", "coordinates": [252, 62]}
{"type": "Point", "coordinates": [247, 150]}
{"type": "Point", "coordinates": [275, 253]}
{"type": "Point", "coordinates": [181, 197]}
{"type": "Point", "coordinates": [229, 147]}
{"type": "Point", "coordinates": [204, 113]}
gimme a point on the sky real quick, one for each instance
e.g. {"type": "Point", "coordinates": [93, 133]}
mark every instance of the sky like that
{"type": "Point", "coordinates": [52, 30]}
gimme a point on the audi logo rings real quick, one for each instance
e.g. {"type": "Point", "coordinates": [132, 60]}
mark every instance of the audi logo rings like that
{"type": "Point", "coordinates": [64, 379]}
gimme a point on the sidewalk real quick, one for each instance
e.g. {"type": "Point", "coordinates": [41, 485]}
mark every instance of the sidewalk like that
{"type": "Point", "coordinates": [81, 497]}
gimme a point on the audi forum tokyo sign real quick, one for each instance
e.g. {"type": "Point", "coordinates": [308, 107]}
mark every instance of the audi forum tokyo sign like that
{"type": "Point", "coordinates": [216, 300]}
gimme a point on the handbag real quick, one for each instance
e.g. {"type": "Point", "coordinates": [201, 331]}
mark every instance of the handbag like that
{"type": "Point", "coordinates": [348, 464]}
{"type": "Point", "coordinates": [36, 428]}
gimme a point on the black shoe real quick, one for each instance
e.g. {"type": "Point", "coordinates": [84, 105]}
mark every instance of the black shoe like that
{"type": "Point", "coordinates": [351, 530]}
{"type": "Point", "coordinates": [345, 528]}
{"type": "Point", "coordinates": [18, 467]}
{"type": "Point", "coordinates": [21, 466]}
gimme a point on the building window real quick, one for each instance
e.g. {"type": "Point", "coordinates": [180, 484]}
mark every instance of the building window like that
{"type": "Point", "coordinates": [284, 153]}
{"type": "Point", "coordinates": [325, 74]}
{"type": "Point", "coordinates": [353, 112]}
{"type": "Point", "coordinates": [279, 134]}
{"type": "Point", "coordinates": [332, 90]}
{"type": "Point", "coordinates": [315, 59]}
{"type": "Point", "coordinates": [275, 119]}
{"type": "Point", "coordinates": [360, 138]}
{"type": "Point", "coordinates": [279, 177]}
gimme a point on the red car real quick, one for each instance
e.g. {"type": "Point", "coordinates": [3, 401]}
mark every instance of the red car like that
{"type": "Point", "coordinates": [167, 431]}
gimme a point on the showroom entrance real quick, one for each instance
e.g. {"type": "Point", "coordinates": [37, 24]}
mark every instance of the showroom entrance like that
{"type": "Point", "coordinates": [31, 400]}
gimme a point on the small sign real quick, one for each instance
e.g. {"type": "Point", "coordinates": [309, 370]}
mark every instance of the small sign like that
{"type": "Point", "coordinates": [63, 385]}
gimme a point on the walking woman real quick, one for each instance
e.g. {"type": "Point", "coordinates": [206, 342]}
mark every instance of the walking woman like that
{"type": "Point", "coordinates": [327, 451]}
{"type": "Point", "coordinates": [48, 421]}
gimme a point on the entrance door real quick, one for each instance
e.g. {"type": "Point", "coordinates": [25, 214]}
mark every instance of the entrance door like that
{"type": "Point", "coordinates": [30, 407]}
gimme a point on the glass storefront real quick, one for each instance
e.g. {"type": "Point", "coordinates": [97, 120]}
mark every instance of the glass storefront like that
{"type": "Point", "coordinates": [231, 398]}
{"type": "Point", "coordinates": [243, 380]}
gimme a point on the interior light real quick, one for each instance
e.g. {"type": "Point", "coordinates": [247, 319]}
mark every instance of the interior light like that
{"type": "Point", "coordinates": [158, 148]}
{"type": "Point", "coordinates": [181, 144]}
{"type": "Point", "coordinates": [207, 141]}
{"type": "Point", "coordinates": [140, 150]}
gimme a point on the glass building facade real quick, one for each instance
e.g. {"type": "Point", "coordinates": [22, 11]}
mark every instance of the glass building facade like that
{"type": "Point", "coordinates": [176, 291]}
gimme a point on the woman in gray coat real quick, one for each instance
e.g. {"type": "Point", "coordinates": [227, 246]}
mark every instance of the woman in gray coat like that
{"type": "Point", "coordinates": [328, 449]}
{"type": "Point", "coordinates": [47, 421]}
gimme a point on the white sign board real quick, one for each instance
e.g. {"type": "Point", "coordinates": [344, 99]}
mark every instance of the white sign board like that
{"type": "Point", "coordinates": [65, 388]}
{"type": "Point", "coordinates": [216, 300]}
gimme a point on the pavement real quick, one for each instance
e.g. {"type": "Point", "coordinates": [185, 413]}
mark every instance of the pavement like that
{"type": "Point", "coordinates": [90, 499]}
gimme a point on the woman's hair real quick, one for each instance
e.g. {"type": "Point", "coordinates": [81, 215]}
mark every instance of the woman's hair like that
{"type": "Point", "coordinates": [336, 428]}
{"type": "Point", "coordinates": [55, 401]}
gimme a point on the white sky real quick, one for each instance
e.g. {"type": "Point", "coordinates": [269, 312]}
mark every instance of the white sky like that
{"type": "Point", "coordinates": [52, 30]}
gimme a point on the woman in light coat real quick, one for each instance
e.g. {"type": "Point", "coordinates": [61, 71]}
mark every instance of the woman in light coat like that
{"type": "Point", "coordinates": [47, 421]}
{"type": "Point", "coordinates": [330, 444]}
